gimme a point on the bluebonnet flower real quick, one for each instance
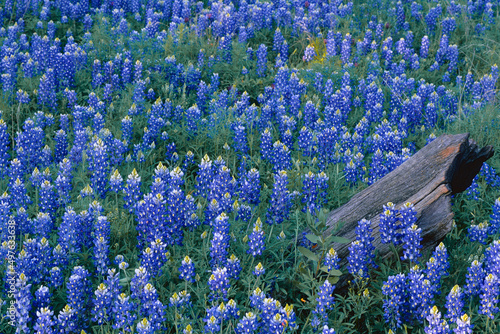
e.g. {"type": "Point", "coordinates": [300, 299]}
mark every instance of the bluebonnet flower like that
{"type": "Point", "coordinates": [322, 183]}
{"type": "Point", "coordinates": [44, 322]}
{"type": "Point", "coordinates": [378, 168]}
{"type": "Point", "coordinates": [47, 90]}
{"type": "Point", "coordinates": [42, 296]}
{"type": "Point", "coordinates": [454, 303]}
{"type": "Point", "coordinates": [331, 260]}
{"type": "Point", "coordinates": [69, 238]}
{"type": "Point", "coordinates": [327, 330]}
{"type": "Point", "coordinates": [218, 249]}
{"type": "Point", "coordinates": [132, 190]}
{"type": "Point", "coordinates": [281, 157]}
{"type": "Point", "coordinates": [474, 278]}
{"type": "Point", "coordinates": [4, 148]}
{"type": "Point", "coordinates": [234, 267]}
{"type": "Point", "coordinates": [389, 225]}
{"type": "Point", "coordinates": [113, 282]}
{"type": "Point", "coordinates": [361, 251]}
{"type": "Point", "coordinates": [408, 215]}
{"type": "Point", "coordinates": [310, 192]}
{"type": "Point", "coordinates": [452, 56]}
{"type": "Point", "coordinates": [492, 258]}
{"type": "Point", "coordinates": [441, 256]}
{"type": "Point", "coordinates": [357, 260]}
{"type": "Point", "coordinates": [138, 282]}
{"type": "Point", "coordinates": [281, 204]}
{"type": "Point", "coordinates": [63, 187]}
{"type": "Point", "coordinates": [449, 25]}
{"type": "Point", "coordinates": [187, 270]}
{"type": "Point", "coordinates": [79, 290]}
{"type": "Point", "coordinates": [248, 324]}
{"type": "Point", "coordinates": [127, 129]}
{"type": "Point", "coordinates": [101, 312]}
{"type": "Point", "coordinates": [87, 192]}
{"type": "Point", "coordinates": [240, 138]}
{"type": "Point", "coordinates": [432, 17]}
{"type": "Point", "coordinates": [436, 325]}
{"type": "Point", "coordinates": [345, 49]}
{"type": "Point", "coordinates": [495, 218]}
{"type": "Point", "coordinates": [123, 309]}
{"type": "Point", "coordinates": [325, 302]}
{"type": "Point", "coordinates": [181, 300]}
{"type": "Point", "coordinates": [411, 243]}
{"type": "Point", "coordinates": [261, 60]}
{"type": "Point", "coordinates": [154, 257]}
{"type": "Point", "coordinates": [434, 273]}
{"type": "Point", "coordinates": [266, 148]}
{"type": "Point", "coordinates": [212, 323]}
{"type": "Point", "coordinates": [101, 250]}
{"type": "Point", "coordinates": [250, 187]}
{"type": "Point", "coordinates": [309, 53]}
{"type": "Point", "coordinates": [277, 40]}
{"type": "Point", "coordinates": [305, 141]}
{"type": "Point", "coordinates": [257, 298]}
{"type": "Point", "coordinates": [47, 198]}
{"type": "Point", "coordinates": [256, 239]}
{"type": "Point", "coordinates": [478, 232]}
{"type": "Point", "coordinates": [23, 302]}
{"type": "Point", "coordinates": [151, 307]}
{"type": "Point", "coordinates": [231, 310]}
{"type": "Point", "coordinates": [98, 123]}
{"type": "Point", "coordinates": [116, 182]}
{"type": "Point", "coordinates": [61, 149]}
{"type": "Point", "coordinates": [420, 293]}
{"type": "Point", "coordinates": [55, 277]}
{"type": "Point", "coordinates": [20, 197]}
{"type": "Point", "coordinates": [144, 327]}
{"type": "Point", "coordinates": [490, 175]}
{"type": "Point", "coordinates": [395, 293]}
{"type": "Point", "coordinates": [259, 270]}
{"type": "Point", "coordinates": [67, 320]}
{"type": "Point", "coordinates": [489, 296]}
{"type": "Point", "coordinates": [219, 283]}
{"type": "Point", "coordinates": [463, 325]}
{"type": "Point", "coordinates": [193, 116]}
{"type": "Point", "coordinates": [204, 177]}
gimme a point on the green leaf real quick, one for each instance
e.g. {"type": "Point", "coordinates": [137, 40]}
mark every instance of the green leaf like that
{"type": "Point", "coordinates": [333, 280]}
{"type": "Point", "coordinates": [307, 253]}
{"type": "Point", "coordinates": [313, 238]}
{"type": "Point", "coordinates": [339, 240]}
{"type": "Point", "coordinates": [333, 272]}
{"type": "Point", "coordinates": [321, 226]}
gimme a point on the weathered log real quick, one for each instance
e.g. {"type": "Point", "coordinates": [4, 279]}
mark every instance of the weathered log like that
{"type": "Point", "coordinates": [442, 168]}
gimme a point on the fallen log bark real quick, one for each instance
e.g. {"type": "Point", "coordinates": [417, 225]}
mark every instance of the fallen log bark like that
{"type": "Point", "coordinates": [444, 167]}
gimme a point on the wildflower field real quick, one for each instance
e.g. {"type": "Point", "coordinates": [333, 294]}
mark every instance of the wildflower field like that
{"type": "Point", "coordinates": [168, 166]}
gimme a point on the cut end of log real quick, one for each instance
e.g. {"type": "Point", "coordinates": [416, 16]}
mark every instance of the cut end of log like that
{"type": "Point", "coordinates": [467, 165]}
